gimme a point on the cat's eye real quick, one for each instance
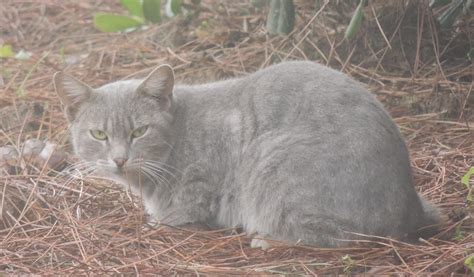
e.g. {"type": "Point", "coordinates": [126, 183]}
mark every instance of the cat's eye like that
{"type": "Point", "coordinates": [139, 131]}
{"type": "Point", "coordinates": [98, 134]}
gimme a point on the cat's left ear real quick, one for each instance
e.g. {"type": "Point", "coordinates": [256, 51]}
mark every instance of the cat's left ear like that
{"type": "Point", "coordinates": [159, 84]}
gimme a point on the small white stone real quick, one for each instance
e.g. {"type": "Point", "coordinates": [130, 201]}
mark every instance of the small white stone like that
{"type": "Point", "coordinates": [259, 242]}
{"type": "Point", "coordinates": [52, 155]}
{"type": "Point", "coordinates": [32, 148]}
{"type": "Point", "coordinates": [8, 155]}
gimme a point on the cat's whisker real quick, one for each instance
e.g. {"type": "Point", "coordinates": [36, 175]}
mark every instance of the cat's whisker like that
{"type": "Point", "coordinates": [157, 173]}
{"type": "Point", "coordinates": [77, 167]}
{"type": "Point", "coordinates": [141, 167]}
{"type": "Point", "coordinates": [162, 164]}
{"type": "Point", "coordinates": [154, 176]}
{"type": "Point", "coordinates": [155, 167]}
{"type": "Point", "coordinates": [70, 167]}
{"type": "Point", "coordinates": [160, 167]}
{"type": "Point", "coordinates": [81, 173]}
{"type": "Point", "coordinates": [76, 171]}
{"type": "Point", "coordinates": [151, 177]}
{"type": "Point", "coordinates": [160, 172]}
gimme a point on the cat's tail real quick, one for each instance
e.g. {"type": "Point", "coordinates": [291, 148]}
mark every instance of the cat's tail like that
{"type": "Point", "coordinates": [431, 221]}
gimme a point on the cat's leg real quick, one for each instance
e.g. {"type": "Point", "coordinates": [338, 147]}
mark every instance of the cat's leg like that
{"type": "Point", "coordinates": [196, 226]}
{"type": "Point", "coordinates": [303, 230]}
{"type": "Point", "coordinates": [191, 206]}
{"type": "Point", "coordinates": [287, 196]}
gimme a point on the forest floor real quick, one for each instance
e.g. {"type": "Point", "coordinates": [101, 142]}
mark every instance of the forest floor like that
{"type": "Point", "coordinates": [53, 224]}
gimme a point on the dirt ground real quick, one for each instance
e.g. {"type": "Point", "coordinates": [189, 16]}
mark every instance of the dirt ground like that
{"type": "Point", "coordinates": [51, 223]}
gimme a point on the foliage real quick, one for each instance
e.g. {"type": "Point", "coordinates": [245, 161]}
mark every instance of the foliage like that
{"type": "Point", "coordinates": [107, 22]}
{"type": "Point", "coordinates": [465, 181]}
{"type": "Point", "coordinates": [141, 12]}
{"type": "Point", "coordinates": [446, 19]}
{"type": "Point", "coordinates": [356, 20]}
{"type": "Point", "coordinates": [349, 264]}
{"type": "Point", "coordinates": [470, 54]}
{"type": "Point", "coordinates": [281, 17]}
{"type": "Point", "coordinates": [133, 6]}
{"type": "Point", "coordinates": [469, 263]}
{"type": "Point", "coordinates": [173, 7]}
{"type": "Point", "coordinates": [6, 51]}
{"type": "Point", "coordinates": [449, 16]}
{"type": "Point", "coordinates": [458, 233]}
{"type": "Point", "coordinates": [151, 10]}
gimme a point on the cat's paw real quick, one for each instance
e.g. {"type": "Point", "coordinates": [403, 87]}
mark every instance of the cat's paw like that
{"type": "Point", "coordinates": [197, 227]}
{"type": "Point", "coordinates": [259, 242]}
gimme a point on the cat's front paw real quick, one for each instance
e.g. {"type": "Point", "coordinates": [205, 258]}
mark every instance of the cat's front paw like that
{"type": "Point", "coordinates": [196, 227]}
{"type": "Point", "coordinates": [259, 242]}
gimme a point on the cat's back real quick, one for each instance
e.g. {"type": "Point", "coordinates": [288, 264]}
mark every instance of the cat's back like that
{"type": "Point", "coordinates": [302, 79]}
{"type": "Point", "coordinates": [307, 93]}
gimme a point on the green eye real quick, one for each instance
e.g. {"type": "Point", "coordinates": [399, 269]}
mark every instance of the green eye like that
{"type": "Point", "coordinates": [139, 132]}
{"type": "Point", "coordinates": [98, 134]}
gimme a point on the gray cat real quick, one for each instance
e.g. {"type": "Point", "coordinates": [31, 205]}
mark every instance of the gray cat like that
{"type": "Point", "coordinates": [293, 152]}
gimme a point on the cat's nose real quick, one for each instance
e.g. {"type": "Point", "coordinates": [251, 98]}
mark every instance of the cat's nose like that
{"type": "Point", "coordinates": [120, 161]}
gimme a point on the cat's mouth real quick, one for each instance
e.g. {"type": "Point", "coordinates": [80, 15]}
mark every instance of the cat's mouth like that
{"type": "Point", "coordinates": [121, 175]}
{"type": "Point", "coordinates": [109, 170]}
{"type": "Point", "coordinates": [122, 171]}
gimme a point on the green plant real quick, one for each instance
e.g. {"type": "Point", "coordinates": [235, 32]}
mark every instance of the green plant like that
{"type": "Point", "coordinates": [465, 181]}
{"type": "Point", "coordinates": [140, 11]}
{"type": "Point", "coordinates": [470, 54]}
{"type": "Point", "coordinates": [349, 264]}
{"type": "Point", "coordinates": [356, 21]}
{"type": "Point", "coordinates": [281, 17]}
{"type": "Point", "coordinates": [455, 7]}
{"type": "Point", "coordinates": [6, 51]}
{"type": "Point", "coordinates": [446, 19]}
{"type": "Point", "coordinates": [469, 263]}
{"type": "Point", "coordinates": [458, 233]}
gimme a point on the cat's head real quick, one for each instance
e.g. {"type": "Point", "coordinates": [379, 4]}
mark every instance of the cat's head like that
{"type": "Point", "coordinates": [121, 129]}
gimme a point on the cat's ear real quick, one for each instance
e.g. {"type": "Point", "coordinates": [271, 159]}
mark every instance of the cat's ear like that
{"type": "Point", "coordinates": [159, 84]}
{"type": "Point", "coordinates": [71, 92]}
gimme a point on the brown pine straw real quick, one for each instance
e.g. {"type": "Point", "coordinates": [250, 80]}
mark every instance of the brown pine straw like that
{"type": "Point", "coordinates": [51, 223]}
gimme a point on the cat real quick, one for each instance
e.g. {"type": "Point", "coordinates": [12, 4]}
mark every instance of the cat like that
{"type": "Point", "coordinates": [296, 152]}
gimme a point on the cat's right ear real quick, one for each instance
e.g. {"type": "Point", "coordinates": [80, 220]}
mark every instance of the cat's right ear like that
{"type": "Point", "coordinates": [71, 92]}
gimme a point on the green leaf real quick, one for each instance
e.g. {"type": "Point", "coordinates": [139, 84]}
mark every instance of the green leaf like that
{"type": "Point", "coordinates": [152, 10]}
{"type": "Point", "coordinates": [356, 20]}
{"type": "Point", "coordinates": [176, 6]}
{"type": "Point", "coordinates": [470, 54]}
{"type": "Point", "coordinates": [172, 7]}
{"type": "Point", "coordinates": [133, 6]}
{"type": "Point", "coordinates": [469, 262]}
{"type": "Point", "coordinates": [449, 16]}
{"type": "Point", "coordinates": [467, 176]}
{"type": "Point", "coordinates": [438, 3]}
{"type": "Point", "coordinates": [458, 233]}
{"type": "Point", "coordinates": [281, 17]}
{"type": "Point", "coordinates": [107, 22]}
{"type": "Point", "coordinates": [258, 3]}
{"type": "Point", "coordinates": [6, 51]}
{"type": "Point", "coordinates": [465, 181]}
